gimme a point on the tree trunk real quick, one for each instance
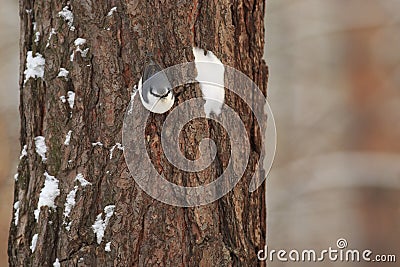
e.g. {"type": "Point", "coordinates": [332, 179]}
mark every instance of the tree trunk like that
{"type": "Point", "coordinates": [87, 106]}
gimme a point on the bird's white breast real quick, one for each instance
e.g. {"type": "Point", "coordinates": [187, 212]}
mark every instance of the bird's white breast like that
{"type": "Point", "coordinates": [156, 105]}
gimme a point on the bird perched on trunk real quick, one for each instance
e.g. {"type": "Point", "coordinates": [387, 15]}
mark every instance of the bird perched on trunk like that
{"type": "Point", "coordinates": [155, 90]}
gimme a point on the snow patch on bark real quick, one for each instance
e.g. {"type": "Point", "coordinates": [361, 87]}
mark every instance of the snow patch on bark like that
{"type": "Point", "coordinates": [70, 201]}
{"type": "Point", "coordinates": [210, 77]}
{"type": "Point", "coordinates": [40, 147]}
{"type": "Point", "coordinates": [69, 204]}
{"type": "Point", "coordinates": [100, 225]}
{"type": "Point", "coordinates": [24, 153]}
{"type": "Point", "coordinates": [16, 214]}
{"type": "Point", "coordinates": [107, 248]}
{"type": "Point", "coordinates": [112, 10]}
{"type": "Point", "coordinates": [34, 66]}
{"type": "Point", "coordinates": [117, 145]}
{"type": "Point", "coordinates": [63, 73]}
{"type": "Point", "coordinates": [68, 138]}
{"type": "Point", "coordinates": [82, 180]}
{"type": "Point", "coordinates": [33, 243]}
{"type": "Point", "coordinates": [48, 194]}
{"type": "Point", "coordinates": [71, 99]}
{"type": "Point", "coordinates": [68, 16]}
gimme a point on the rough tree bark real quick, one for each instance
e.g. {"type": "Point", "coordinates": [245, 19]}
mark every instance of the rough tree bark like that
{"type": "Point", "coordinates": [102, 73]}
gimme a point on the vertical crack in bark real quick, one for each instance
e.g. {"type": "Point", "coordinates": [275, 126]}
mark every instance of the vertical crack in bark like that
{"type": "Point", "coordinates": [194, 16]}
{"type": "Point", "coordinates": [141, 233]}
{"type": "Point", "coordinates": [92, 85]}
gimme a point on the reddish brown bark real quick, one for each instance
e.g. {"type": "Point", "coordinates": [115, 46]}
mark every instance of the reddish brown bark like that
{"type": "Point", "coordinates": [142, 231]}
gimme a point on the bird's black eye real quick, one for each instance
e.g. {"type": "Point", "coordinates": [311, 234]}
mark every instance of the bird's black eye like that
{"type": "Point", "coordinates": [152, 91]}
{"type": "Point", "coordinates": [158, 95]}
{"type": "Point", "coordinates": [166, 94]}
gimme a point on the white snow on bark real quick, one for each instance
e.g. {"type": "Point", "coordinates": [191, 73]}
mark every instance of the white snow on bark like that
{"type": "Point", "coordinates": [24, 153]}
{"type": "Point", "coordinates": [100, 225]}
{"type": "Point", "coordinates": [52, 32]}
{"type": "Point", "coordinates": [107, 248]}
{"type": "Point", "coordinates": [67, 15]}
{"type": "Point", "coordinates": [63, 73]}
{"type": "Point", "coordinates": [70, 201]}
{"type": "Point", "coordinates": [117, 145]}
{"type": "Point", "coordinates": [33, 243]}
{"type": "Point", "coordinates": [69, 204]}
{"type": "Point", "coordinates": [112, 10]}
{"type": "Point", "coordinates": [34, 66]}
{"type": "Point", "coordinates": [56, 263]}
{"type": "Point", "coordinates": [40, 147]}
{"type": "Point", "coordinates": [211, 79]}
{"type": "Point", "coordinates": [68, 138]}
{"type": "Point", "coordinates": [82, 180]}
{"type": "Point", "coordinates": [48, 194]}
{"type": "Point", "coordinates": [16, 214]}
{"type": "Point", "coordinates": [97, 144]}
{"type": "Point", "coordinates": [83, 52]}
{"type": "Point", "coordinates": [37, 37]}
{"type": "Point", "coordinates": [79, 41]}
{"type": "Point", "coordinates": [71, 99]}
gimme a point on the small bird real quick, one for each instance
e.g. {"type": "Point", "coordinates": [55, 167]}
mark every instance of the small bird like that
{"type": "Point", "coordinates": [156, 94]}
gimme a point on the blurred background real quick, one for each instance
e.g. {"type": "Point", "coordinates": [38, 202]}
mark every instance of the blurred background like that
{"type": "Point", "coordinates": [9, 116]}
{"type": "Point", "coordinates": [335, 91]}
